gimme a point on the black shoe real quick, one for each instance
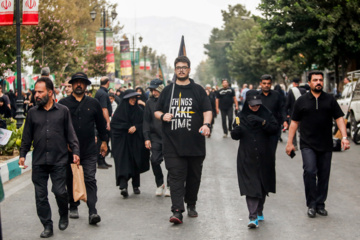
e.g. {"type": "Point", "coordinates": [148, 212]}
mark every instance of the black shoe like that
{"type": "Point", "coordinates": [108, 165]}
{"type": "Point", "coordinates": [177, 217]}
{"type": "Point", "coordinates": [322, 211]}
{"type": "Point", "coordinates": [103, 166]}
{"type": "Point", "coordinates": [192, 211]}
{"type": "Point", "coordinates": [311, 212]}
{"type": "Point", "coordinates": [136, 190]}
{"type": "Point", "coordinates": [74, 213]}
{"type": "Point", "coordinates": [63, 222]}
{"type": "Point", "coordinates": [280, 139]}
{"type": "Point", "coordinates": [124, 192]}
{"type": "Point", "coordinates": [48, 232]}
{"type": "Point", "coordinates": [94, 219]}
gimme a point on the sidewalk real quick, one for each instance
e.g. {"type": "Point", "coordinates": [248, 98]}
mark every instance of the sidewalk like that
{"type": "Point", "coordinates": [9, 169]}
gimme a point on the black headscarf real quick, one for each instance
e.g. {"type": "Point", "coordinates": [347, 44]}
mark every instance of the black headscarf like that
{"type": "Point", "coordinates": [142, 97]}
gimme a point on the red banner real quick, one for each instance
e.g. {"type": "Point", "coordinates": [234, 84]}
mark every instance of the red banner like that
{"type": "Point", "coordinates": [30, 12]}
{"type": "Point", "coordinates": [6, 12]}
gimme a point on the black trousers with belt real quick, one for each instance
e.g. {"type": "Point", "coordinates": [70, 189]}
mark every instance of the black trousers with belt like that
{"type": "Point", "coordinates": [316, 175]}
{"type": "Point", "coordinates": [89, 167]}
{"type": "Point", "coordinates": [185, 178]}
{"type": "Point", "coordinates": [227, 113]}
{"type": "Point", "coordinates": [40, 177]}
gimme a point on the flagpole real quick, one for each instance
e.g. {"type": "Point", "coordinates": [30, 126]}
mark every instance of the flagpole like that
{"type": "Point", "coordinates": [19, 102]}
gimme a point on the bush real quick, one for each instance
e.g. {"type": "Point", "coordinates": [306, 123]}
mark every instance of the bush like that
{"type": "Point", "coordinates": [14, 143]}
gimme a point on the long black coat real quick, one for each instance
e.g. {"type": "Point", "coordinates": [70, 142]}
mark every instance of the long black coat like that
{"type": "Point", "coordinates": [255, 163]}
{"type": "Point", "coordinates": [130, 155]}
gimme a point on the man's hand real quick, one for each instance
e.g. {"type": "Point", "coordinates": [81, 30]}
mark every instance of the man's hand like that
{"type": "Point", "coordinates": [103, 148]}
{"type": "Point", "coordinates": [148, 144]}
{"type": "Point", "coordinates": [286, 125]}
{"type": "Point", "coordinates": [254, 118]}
{"type": "Point", "coordinates": [345, 144]}
{"type": "Point", "coordinates": [76, 159]}
{"type": "Point", "coordinates": [108, 126]}
{"type": "Point", "coordinates": [289, 147]}
{"type": "Point", "coordinates": [167, 117]}
{"type": "Point", "coordinates": [204, 130]}
{"type": "Point", "coordinates": [22, 163]}
{"type": "Point", "coordinates": [132, 130]}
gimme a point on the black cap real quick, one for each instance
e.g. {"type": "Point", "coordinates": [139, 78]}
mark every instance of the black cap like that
{"type": "Point", "coordinates": [296, 80]}
{"type": "Point", "coordinates": [80, 75]}
{"type": "Point", "coordinates": [130, 93]}
{"type": "Point", "coordinates": [253, 98]}
{"type": "Point", "coordinates": [155, 83]}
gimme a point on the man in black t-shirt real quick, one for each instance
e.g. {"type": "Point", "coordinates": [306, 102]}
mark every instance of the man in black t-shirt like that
{"type": "Point", "coordinates": [225, 98]}
{"type": "Point", "coordinates": [185, 111]}
{"type": "Point", "coordinates": [314, 112]}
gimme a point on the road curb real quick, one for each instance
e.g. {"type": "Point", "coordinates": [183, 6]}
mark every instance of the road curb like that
{"type": "Point", "coordinates": [10, 168]}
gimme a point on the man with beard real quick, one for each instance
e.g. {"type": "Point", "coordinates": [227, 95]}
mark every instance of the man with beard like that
{"type": "Point", "coordinates": [272, 100]}
{"type": "Point", "coordinates": [314, 113]}
{"type": "Point", "coordinates": [49, 128]}
{"type": "Point", "coordinates": [85, 113]}
{"type": "Point", "coordinates": [68, 88]}
{"type": "Point", "coordinates": [185, 112]}
{"type": "Point", "coordinates": [225, 99]}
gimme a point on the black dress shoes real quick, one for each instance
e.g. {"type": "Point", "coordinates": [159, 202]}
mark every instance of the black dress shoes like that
{"type": "Point", "coordinates": [74, 213]}
{"type": "Point", "coordinates": [136, 190]}
{"type": "Point", "coordinates": [106, 164]}
{"type": "Point", "coordinates": [311, 212]}
{"type": "Point", "coordinates": [48, 232]}
{"type": "Point", "coordinates": [63, 222]}
{"type": "Point", "coordinates": [322, 212]}
{"type": "Point", "coordinates": [94, 219]}
{"type": "Point", "coordinates": [124, 192]}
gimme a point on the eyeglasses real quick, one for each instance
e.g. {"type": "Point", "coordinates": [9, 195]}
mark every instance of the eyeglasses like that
{"type": "Point", "coordinates": [181, 68]}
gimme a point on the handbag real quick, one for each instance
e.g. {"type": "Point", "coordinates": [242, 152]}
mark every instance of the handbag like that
{"type": "Point", "coordinates": [79, 189]}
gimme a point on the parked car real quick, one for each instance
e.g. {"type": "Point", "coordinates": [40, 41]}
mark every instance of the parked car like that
{"type": "Point", "coordinates": [350, 103]}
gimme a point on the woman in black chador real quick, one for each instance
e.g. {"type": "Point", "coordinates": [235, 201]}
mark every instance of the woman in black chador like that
{"type": "Point", "coordinates": [128, 144]}
{"type": "Point", "coordinates": [255, 163]}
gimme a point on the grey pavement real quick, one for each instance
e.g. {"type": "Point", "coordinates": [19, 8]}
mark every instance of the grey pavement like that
{"type": "Point", "coordinates": [222, 211]}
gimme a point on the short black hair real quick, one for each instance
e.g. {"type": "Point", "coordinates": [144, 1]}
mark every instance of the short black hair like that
{"type": "Point", "coordinates": [314, 73]}
{"type": "Point", "coordinates": [224, 80]}
{"type": "Point", "coordinates": [266, 77]}
{"type": "Point", "coordinates": [112, 95]}
{"type": "Point", "coordinates": [183, 59]}
{"type": "Point", "coordinates": [48, 83]}
{"type": "Point", "coordinates": [104, 81]}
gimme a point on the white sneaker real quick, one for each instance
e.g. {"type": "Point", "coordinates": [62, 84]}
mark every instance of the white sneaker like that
{"type": "Point", "coordinates": [225, 135]}
{"type": "Point", "coordinates": [159, 190]}
{"type": "Point", "coordinates": [167, 192]}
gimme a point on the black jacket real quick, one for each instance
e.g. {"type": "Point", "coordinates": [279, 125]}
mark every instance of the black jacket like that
{"type": "Point", "coordinates": [151, 126]}
{"type": "Point", "coordinates": [255, 163]}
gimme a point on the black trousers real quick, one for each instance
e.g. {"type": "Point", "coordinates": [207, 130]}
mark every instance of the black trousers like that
{"type": "Point", "coordinates": [227, 113]}
{"type": "Point", "coordinates": [40, 177]}
{"type": "Point", "coordinates": [316, 175]}
{"type": "Point", "coordinates": [255, 206]}
{"type": "Point", "coordinates": [89, 167]}
{"type": "Point", "coordinates": [185, 178]}
{"type": "Point", "coordinates": [156, 159]}
{"type": "Point", "coordinates": [135, 181]}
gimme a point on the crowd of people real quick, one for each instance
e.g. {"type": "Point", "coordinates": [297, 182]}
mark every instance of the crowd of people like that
{"type": "Point", "coordinates": [142, 127]}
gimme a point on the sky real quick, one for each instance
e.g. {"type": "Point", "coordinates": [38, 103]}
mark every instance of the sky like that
{"type": "Point", "coordinates": [202, 11]}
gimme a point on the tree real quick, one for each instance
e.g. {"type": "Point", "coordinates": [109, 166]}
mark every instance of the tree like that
{"type": "Point", "coordinates": [205, 72]}
{"type": "Point", "coordinates": [7, 50]}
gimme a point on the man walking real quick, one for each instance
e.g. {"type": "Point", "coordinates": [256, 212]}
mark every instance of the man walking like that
{"type": "Point", "coordinates": [225, 99]}
{"type": "Point", "coordinates": [185, 112]}
{"type": "Point", "coordinates": [314, 113]}
{"type": "Point", "coordinates": [103, 97]}
{"type": "Point", "coordinates": [153, 139]}
{"type": "Point", "coordinates": [85, 113]}
{"type": "Point", "coordinates": [49, 128]}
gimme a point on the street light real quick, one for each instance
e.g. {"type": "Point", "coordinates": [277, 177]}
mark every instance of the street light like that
{"type": "Point", "coordinates": [104, 17]}
{"type": "Point", "coordinates": [133, 53]}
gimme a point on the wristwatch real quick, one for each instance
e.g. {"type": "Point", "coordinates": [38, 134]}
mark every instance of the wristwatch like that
{"type": "Point", "coordinates": [345, 138]}
{"type": "Point", "coordinates": [207, 124]}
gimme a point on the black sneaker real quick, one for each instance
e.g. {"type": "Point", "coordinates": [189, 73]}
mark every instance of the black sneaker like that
{"type": "Point", "coordinates": [74, 213]}
{"type": "Point", "coordinates": [191, 209]}
{"type": "Point", "coordinates": [124, 192]}
{"type": "Point", "coordinates": [136, 190]}
{"type": "Point", "coordinates": [94, 219]}
{"type": "Point", "coordinates": [177, 217]}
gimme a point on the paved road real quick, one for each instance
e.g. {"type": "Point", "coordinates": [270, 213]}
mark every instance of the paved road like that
{"type": "Point", "coordinates": [222, 212]}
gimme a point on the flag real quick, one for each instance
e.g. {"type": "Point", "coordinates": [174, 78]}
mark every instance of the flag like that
{"type": "Point", "coordinates": [30, 12]}
{"type": "Point", "coordinates": [6, 12]}
{"type": "Point", "coordinates": [161, 72]}
{"type": "Point", "coordinates": [10, 79]}
{"type": "Point", "coordinates": [182, 52]}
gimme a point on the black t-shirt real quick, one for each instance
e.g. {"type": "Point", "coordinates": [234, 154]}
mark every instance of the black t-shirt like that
{"type": "Point", "coordinates": [181, 136]}
{"type": "Point", "coordinates": [103, 97]}
{"type": "Point", "coordinates": [226, 98]}
{"type": "Point", "coordinates": [315, 117]}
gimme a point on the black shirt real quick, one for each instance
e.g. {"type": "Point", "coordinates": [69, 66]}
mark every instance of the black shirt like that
{"type": "Point", "coordinates": [103, 97]}
{"type": "Point", "coordinates": [226, 98]}
{"type": "Point", "coordinates": [275, 104]}
{"type": "Point", "coordinates": [151, 125]}
{"type": "Point", "coordinates": [181, 136]}
{"type": "Point", "coordinates": [315, 116]}
{"type": "Point", "coordinates": [83, 120]}
{"type": "Point", "coordinates": [51, 132]}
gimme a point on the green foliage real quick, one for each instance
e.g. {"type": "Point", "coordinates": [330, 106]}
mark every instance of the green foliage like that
{"type": "Point", "coordinates": [205, 73]}
{"type": "Point", "coordinates": [7, 49]}
{"type": "Point", "coordinates": [15, 139]}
